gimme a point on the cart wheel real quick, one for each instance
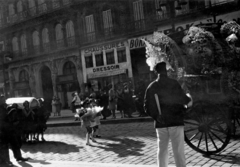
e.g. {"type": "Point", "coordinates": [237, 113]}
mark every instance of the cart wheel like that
{"type": "Point", "coordinates": [235, 118]}
{"type": "Point", "coordinates": [207, 128]}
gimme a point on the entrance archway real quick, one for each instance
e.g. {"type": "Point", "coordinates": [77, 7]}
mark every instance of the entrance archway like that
{"type": "Point", "coordinates": [47, 87]}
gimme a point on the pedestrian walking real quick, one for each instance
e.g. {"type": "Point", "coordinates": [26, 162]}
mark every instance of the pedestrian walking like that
{"type": "Point", "coordinates": [112, 102]}
{"type": "Point", "coordinates": [54, 106]}
{"type": "Point", "coordinates": [95, 125]}
{"type": "Point", "coordinates": [128, 102]}
{"type": "Point", "coordinates": [103, 102]}
{"type": "Point", "coordinates": [88, 114]}
{"type": "Point", "coordinates": [76, 101]}
{"type": "Point", "coordinates": [164, 101]}
{"type": "Point", "coordinates": [58, 106]}
{"type": "Point", "coordinates": [120, 101]}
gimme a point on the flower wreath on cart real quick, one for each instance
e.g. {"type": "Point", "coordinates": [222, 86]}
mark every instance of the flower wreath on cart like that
{"type": "Point", "coordinates": [231, 32]}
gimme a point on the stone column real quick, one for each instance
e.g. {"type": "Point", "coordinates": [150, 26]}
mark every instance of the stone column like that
{"type": "Point", "coordinates": [79, 73]}
{"type": "Point", "coordinates": [54, 77]}
{"type": "Point", "coordinates": [32, 80]}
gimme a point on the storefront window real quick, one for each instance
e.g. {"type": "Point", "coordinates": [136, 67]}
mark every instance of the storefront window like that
{"type": "Point", "coordinates": [121, 56]}
{"type": "Point", "coordinates": [89, 61]}
{"type": "Point", "coordinates": [110, 57]}
{"type": "Point", "coordinates": [69, 68]}
{"type": "Point", "coordinates": [99, 59]}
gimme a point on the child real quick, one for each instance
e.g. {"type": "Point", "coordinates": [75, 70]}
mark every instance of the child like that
{"type": "Point", "coordinates": [95, 125]}
{"type": "Point", "coordinates": [87, 115]}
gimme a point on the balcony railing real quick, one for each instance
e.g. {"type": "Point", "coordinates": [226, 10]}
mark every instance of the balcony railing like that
{"type": "Point", "coordinates": [24, 52]}
{"type": "Point", "coordinates": [60, 43]}
{"type": "Point", "coordinates": [108, 32]}
{"type": "Point", "coordinates": [46, 47]}
{"type": "Point", "coordinates": [42, 8]}
{"type": "Point", "coordinates": [56, 4]}
{"type": "Point", "coordinates": [32, 11]}
{"type": "Point", "coordinates": [16, 54]}
{"type": "Point", "coordinates": [36, 49]}
{"type": "Point", "coordinates": [71, 41]}
{"type": "Point", "coordinates": [66, 2]}
{"type": "Point", "coordinates": [91, 37]}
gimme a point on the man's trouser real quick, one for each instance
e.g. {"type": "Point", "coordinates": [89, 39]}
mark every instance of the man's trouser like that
{"type": "Point", "coordinates": [176, 135]}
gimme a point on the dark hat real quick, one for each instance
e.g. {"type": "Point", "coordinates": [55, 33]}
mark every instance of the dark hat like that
{"type": "Point", "coordinates": [161, 68]}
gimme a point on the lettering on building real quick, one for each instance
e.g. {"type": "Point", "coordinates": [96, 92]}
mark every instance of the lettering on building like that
{"type": "Point", "coordinates": [106, 68]}
{"type": "Point", "coordinates": [104, 47]}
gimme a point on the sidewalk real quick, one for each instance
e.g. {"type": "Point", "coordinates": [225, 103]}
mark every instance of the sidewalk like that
{"type": "Point", "coordinates": [74, 164]}
{"type": "Point", "coordinates": [35, 163]}
{"type": "Point", "coordinates": [67, 119]}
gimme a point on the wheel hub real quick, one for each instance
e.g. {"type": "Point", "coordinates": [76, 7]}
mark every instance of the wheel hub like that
{"type": "Point", "coordinates": [203, 128]}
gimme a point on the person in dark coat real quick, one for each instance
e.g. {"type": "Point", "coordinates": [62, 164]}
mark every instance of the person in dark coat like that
{"type": "Point", "coordinates": [15, 118]}
{"type": "Point", "coordinates": [168, 115]}
{"type": "Point", "coordinates": [4, 156]}
{"type": "Point", "coordinates": [103, 102]}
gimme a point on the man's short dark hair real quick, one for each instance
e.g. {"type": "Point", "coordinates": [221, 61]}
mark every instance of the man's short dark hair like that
{"type": "Point", "coordinates": [160, 68]}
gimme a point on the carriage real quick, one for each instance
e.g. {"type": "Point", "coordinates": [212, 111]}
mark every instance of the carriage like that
{"type": "Point", "coordinates": [31, 126]}
{"type": "Point", "coordinates": [208, 70]}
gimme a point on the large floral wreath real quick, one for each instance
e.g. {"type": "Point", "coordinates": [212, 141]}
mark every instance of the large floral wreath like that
{"type": "Point", "coordinates": [161, 48]}
{"type": "Point", "coordinates": [231, 32]}
{"type": "Point", "coordinates": [205, 49]}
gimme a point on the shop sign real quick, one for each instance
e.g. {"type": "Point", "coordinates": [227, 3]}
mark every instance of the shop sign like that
{"type": "Point", "coordinates": [138, 43]}
{"type": "Point", "coordinates": [104, 47]}
{"type": "Point", "coordinates": [106, 68]}
{"type": "Point", "coordinates": [106, 74]}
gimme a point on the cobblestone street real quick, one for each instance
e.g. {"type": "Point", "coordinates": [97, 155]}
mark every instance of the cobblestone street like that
{"type": "Point", "coordinates": [124, 143]}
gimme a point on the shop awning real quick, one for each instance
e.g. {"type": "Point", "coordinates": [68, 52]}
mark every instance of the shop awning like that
{"type": "Point", "coordinates": [106, 74]}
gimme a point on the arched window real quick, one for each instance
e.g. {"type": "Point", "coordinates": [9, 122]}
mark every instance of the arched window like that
{"type": "Point", "coordinates": [32, 7]}
{"type": "Point", "coordinates": [11, 10]}
{"type": "Point", "coordinates": [59, 35]}
{"type": "Point", "coordinates": [15, 46]}
{"type": "Point", "coordinates": [70, 29]}
{"type": "Point", "coordinates": [36, 41]}
{"type": "Point", "coordinates": [69, 68]}
{"type": "Point", "coordinates": [70, 33]}
{"type": "Point", "coordinates": [19, 6]}
{"type": "Point", "coordinates": [24, 44]}
{"type": "Point", "coordinates": [23, 76]}
{"type": "Point", "coordinates": [45, 39]}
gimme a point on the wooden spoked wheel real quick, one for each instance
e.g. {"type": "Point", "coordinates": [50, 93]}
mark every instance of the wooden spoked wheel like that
{"type": "Point", "coordinates": [235, 118]}
{"type": "Point", "coordinates": [207, 128]}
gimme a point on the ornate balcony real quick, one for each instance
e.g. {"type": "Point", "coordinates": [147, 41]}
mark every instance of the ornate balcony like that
{"type": "Point", "coordinates": [46, 47]}
{"type": "Point", "coordinates": [42, 8]}
{"type": "Point", "coordinates": [71, 41]}
{"type": "Point", "coordinates": [60, 43]}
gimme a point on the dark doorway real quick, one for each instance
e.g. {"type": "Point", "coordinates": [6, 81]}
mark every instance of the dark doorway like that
{"type": "Point", "coordinates": [47, 87]}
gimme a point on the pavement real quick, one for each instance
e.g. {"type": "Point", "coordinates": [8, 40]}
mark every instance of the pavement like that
{"type": "Point", "coordinates": [125, 142]}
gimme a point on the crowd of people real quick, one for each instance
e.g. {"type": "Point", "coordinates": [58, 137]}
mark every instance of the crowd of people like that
{"type": "Point", "coordinates": [115, 99]}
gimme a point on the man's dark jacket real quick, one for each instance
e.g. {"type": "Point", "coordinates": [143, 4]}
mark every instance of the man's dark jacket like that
{"type": "Point", "coordinates": [171, 98]}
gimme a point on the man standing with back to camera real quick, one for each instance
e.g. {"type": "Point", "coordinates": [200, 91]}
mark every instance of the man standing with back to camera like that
{"type": "Point", "coordinates": [168, 115]}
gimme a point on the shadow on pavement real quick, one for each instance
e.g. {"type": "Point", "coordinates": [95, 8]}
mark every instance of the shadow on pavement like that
{"type": "Point", "coordinates": [228, 158]}
{"type": "Point", "coordinates": [123, 146]}
{"type": "Point", "coordinates": [31, 163]}
{"type": "Point", "coordinates": [51, 146]}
